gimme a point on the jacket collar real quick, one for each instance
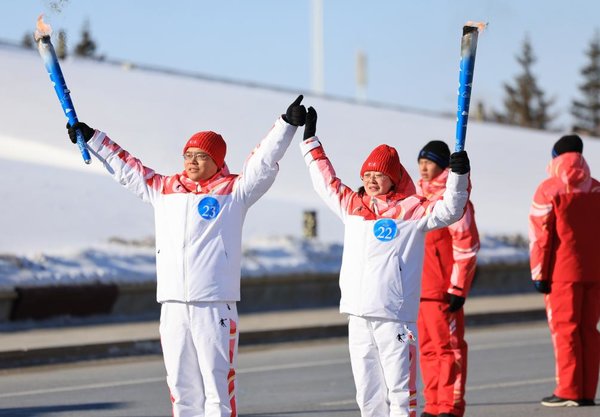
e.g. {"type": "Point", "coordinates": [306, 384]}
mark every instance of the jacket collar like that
{"type": "Point", "coordinates": [434, 188]}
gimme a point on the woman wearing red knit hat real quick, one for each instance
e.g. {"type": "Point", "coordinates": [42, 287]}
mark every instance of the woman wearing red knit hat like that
{"type": "Point", "coordinates": [380, 280]}
{"type": "Point", "coordinates": [199, 215]}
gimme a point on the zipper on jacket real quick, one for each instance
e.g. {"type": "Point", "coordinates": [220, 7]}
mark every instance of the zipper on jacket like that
{"type": "Point", "coordinates": [185, 242]}
{"type": "Point", "coordinates": [374, 207]}
{"type": "Point", "coordinates": [362, 274]}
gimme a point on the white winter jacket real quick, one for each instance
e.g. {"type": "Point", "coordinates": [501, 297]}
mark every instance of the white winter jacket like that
{"type": "Point", "coordinates": [198, 225]}
{"type": "Point", "coordinates": [384, 239]}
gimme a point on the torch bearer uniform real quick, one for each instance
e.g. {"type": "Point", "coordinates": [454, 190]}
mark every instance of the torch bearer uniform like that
{"type": "Point", "coordinates": [198, 255]}
{"type": "Point", "coordinates": [380, 277]}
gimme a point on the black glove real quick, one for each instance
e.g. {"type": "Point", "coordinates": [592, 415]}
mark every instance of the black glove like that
{"type": "Point", "coordinates": [455, 303]}
{"type": "Point", "coordinates": [459, 162]}
{"type": "Point", "coordinates": [85, 130]}
{"type": "Point", "coordinates": [310, 128]}
{"type": "Point", "coordinates": [542, 286]}
{"type": "Point", "coordinates": [296, 113]}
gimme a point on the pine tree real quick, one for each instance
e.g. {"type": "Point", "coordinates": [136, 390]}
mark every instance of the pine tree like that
{"type": "Point", "coordinates": [61, 47]}
{"type": "Point", "coordinates": [587, 110]}
{"type": "Point", "coordinates": [525, 103]}
{"type": "Point", "coordinates": [86, 46]}
{"type": "Point", "coordinates": [27, 41]}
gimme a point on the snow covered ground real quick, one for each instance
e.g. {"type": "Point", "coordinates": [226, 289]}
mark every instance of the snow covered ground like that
{"type": "Point", "coordinates": [58, 216]}
{"type": "Point", "coordinates": [132, 262]}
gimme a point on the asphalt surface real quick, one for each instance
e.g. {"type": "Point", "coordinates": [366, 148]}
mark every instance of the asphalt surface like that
{"type": "Point", "coordinates": [510, 370]}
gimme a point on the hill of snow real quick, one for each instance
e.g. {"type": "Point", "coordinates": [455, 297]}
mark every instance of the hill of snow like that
{"type": "Point", "coordinates": [52, 203]}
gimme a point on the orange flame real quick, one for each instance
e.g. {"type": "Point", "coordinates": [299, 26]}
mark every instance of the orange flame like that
{"type": "Point", "coordinates": [481, 26]}
{"type": "Point", "coordinates": [42, 29]}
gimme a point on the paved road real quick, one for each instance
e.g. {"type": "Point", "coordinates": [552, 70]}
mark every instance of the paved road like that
{"type": "Point", "coordinates": [510, 370]}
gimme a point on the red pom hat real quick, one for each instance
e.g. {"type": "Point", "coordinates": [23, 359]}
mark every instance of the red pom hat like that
{"type": "Point", "coordinates": [384, 159]}
{"type": "Point", "coordinates": [210, 142]}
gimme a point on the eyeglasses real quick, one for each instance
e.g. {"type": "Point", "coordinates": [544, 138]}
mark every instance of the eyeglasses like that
{"type": "Point", "coordinates": [372, 176]}
{"type": "Point", "coordinates": [200, 156]}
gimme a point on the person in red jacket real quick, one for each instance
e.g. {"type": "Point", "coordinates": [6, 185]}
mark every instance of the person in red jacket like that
{"type": "Point", "coordinates": [448, 270]}
{"type": "Point", "coordinates": [565, 266]}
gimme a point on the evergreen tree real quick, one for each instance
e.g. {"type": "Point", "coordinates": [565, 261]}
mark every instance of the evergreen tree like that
{"type": "Point", "coordinates": [27, 41]}
{"type": "Point", "coordinates": [86, 46]}
{"type": "Point", "coordinates": [525, 103]}
{"type": "Point", "coordinates": [480, 113]}
{"type": "Point", "coordinates": [61, 47]}
{"type": "Point", "coordinates": [587, 110]}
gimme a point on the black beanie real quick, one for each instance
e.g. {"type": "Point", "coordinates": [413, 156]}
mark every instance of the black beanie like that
{"type": "Point", "coordinates": [568, 143]}
{"type": "Point", "coordinates": [436, 151]}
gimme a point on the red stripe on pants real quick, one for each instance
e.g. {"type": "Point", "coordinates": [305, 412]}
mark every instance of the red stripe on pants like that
{"type": "Point", "coordinates": [231, 376]}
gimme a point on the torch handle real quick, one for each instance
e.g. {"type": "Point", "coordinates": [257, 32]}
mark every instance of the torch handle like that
{"type": "Point", "coordinates": [467, 65]}
{"type": "Point", "coordinates": [85, 154]}
{"type": "Point", "coordinates": [60, 87]}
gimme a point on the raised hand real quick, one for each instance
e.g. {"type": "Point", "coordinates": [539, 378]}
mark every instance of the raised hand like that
{"type": "Point", "coordinates": [310, 128]}
{"type": "Point", "coordinates": [85, 130]}
{"type": "Point", "coordinates": [296, 113]}
{"type": "Point", "coordinates": [459, 162]}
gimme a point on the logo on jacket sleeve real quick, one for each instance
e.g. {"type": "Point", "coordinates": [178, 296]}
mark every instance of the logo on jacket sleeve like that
{"type": "Point", "coordinates": [385, 230]}
{"type": "Point", "coordinates": [208, 208]}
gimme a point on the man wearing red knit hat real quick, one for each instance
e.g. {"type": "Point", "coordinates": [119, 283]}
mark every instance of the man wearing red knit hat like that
{"type": "Point", "coordinates": [385, 224]}
{"type": "Point", "coordinates": [199, 215]}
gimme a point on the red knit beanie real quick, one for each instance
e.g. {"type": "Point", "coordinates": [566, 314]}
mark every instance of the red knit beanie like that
{"type": "Point", "coordinates": [210, 142]}
{"type": "Point", "coordinates": [383, 159]}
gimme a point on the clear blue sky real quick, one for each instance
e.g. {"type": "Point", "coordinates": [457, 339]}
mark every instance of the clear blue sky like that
{"type": "Point", "coordinates": [412, 47]}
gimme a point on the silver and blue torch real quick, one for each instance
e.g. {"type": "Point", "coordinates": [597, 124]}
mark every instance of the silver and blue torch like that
{"type": "Point", "coordinates": [42, 37]}
{"type": "Point", "coordinates": [468, 48]}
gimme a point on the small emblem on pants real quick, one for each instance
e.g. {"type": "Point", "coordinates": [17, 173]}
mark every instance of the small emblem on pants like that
{"type": "Point", "coordinates": [406, 336]}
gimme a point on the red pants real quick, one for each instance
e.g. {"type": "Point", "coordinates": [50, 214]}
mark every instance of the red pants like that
{"type": "Point", "coordinates": [573, 310]}
{"type": "Point", "coordinates": [443, 354]}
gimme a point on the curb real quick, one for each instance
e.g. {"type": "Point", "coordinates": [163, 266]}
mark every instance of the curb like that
{"type": "Point", "coordinates": [59, 355]}
{"type": "Point", "coordinates": [67, 354]}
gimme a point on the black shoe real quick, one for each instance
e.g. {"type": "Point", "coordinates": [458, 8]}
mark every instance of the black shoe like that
{"type": "Point", "coordinates": [554, 401]}
{"type": "Point", "coordinates": [585, 403]}
{"type": "Point", "coordinates": [425, 414]}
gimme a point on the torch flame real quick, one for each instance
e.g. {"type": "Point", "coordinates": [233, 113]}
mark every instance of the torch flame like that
{"type": "Point", "coordinates": [42, 29]}
{"type": "Point", "coordinates": [479, 25]}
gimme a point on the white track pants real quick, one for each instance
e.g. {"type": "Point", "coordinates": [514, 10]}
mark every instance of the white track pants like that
{"type": "Point", "coordinates": [199, 342]}
{"type": "Point", "coordinates": [384, 361]}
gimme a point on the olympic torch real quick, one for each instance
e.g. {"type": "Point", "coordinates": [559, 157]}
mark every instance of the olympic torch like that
{"type": "Point", "coordinates": [468, 48]}
{"type": "Point", "coordinates": [42, 37]}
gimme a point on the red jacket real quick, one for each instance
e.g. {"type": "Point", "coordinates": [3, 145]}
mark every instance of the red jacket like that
{"type": "Point", "coordinates": [564, 223]}
{"type": "Point", "coordinates": [450, 253]}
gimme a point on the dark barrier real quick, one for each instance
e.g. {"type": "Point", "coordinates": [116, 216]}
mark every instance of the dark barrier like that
{"type": "Point", "coordinates": [258, 294]}
{"type": "Point", "coordinates": [63, 300]}
{"type": "Point", "coordinates": [289, 292]}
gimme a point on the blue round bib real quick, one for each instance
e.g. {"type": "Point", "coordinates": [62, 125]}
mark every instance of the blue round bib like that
{"type": "Point", "coordinates": [208, 208]}
{"type": "Point", "coordinates": [385, 230]}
